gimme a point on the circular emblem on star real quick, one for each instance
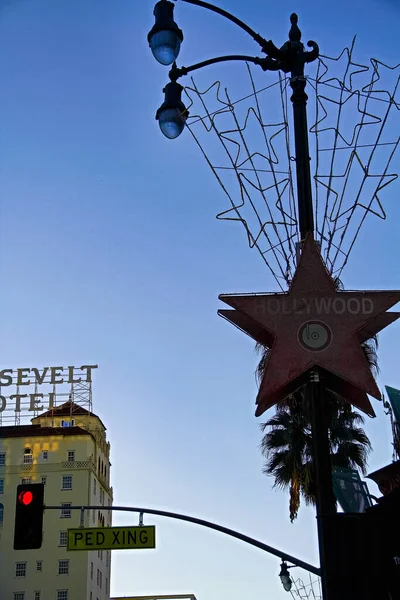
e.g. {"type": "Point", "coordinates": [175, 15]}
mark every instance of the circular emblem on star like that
{"type": "Point", "coordinates": [315, 336]}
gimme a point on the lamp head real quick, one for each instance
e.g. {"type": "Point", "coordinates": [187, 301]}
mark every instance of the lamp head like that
{"type": "Point", "coordinates": [165, 37]}
{"type": "Point", "coordinates": [172, 114]}
{"type": "Point", "coordinates": [285, 577]}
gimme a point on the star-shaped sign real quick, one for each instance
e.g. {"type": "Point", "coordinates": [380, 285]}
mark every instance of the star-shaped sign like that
{"type": "Point", "coordinates": [314, 325]}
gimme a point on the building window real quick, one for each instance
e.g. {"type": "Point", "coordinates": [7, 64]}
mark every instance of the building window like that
{"type": "Point", "coordinates": [19, 595]}
{"type": "Point", "coordinates": [101, 580]}
{"type": "Point", "coordinates": [45, 455]}
{"type": "Point", "coordinates": [1, 486]}
{"type": "Point", "coordinates": [43, 479]}
{"type": "Point", "coordinates": [2, 459]}
{"type": "Point", "coordinates": [62, 594]}
{"type": "Point", "coordinates": [90, 596]}
{"type": "Point", "coordinates": [26, 480]}
{"type": "Point", "coordinates": [91, 570]}
{"type": "Point", "coordinates": [39, 565]}
{"type": "Point", "coordinates": [1, 514]}
{"type": "Point", "coordinates": [66, 482]}
{"type": "Point", "coordinates": [36, 595]}
{"type": "Point", "coordinates": [106, 585]}
{"type": "Point", "coordinates": [65, 510]}
{"type": "Point", "coordinates": [107, 559]}
{"type": "Point", "coordinates": [98, 576]}
{"type": "Point", "coordinates": [94, 486]}
{"type": "Point", "coordinates": [20, 569]}
{"type": "Point", "coordinates": [63, 567]}
{"type": "Point", "coordinates": [27, 459]}
{"type": "Point", "coordinates": [71, 456]}
{"type": "Point", "coordinates": [94, 516]}
{"type": "Point", "coordinates": [63, 538]}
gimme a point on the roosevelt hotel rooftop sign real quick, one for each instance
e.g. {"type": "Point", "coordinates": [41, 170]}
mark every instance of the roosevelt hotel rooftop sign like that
{"type": "Point", "coordinates": [31, 390]}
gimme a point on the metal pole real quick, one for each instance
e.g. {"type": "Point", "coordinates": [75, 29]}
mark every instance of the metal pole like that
{"type": "Point", "coordinates": [303, 176]}
{"type": "Point", "coordinates": [299, 100]}
{"type": "Point", "coordinates": [325, 501]}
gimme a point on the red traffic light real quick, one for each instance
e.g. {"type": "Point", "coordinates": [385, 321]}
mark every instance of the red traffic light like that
{"type": "Point", "coordinates": [25, 498]}
{"type": "Point", "coordinates": [29, 507]}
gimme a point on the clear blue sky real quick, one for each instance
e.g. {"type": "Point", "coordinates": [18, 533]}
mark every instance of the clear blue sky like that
{"type": "Point", "coordinates": [111, 254]}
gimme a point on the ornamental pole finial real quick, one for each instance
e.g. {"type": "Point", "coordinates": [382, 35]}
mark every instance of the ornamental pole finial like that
{"type": "Point", "coordinates": [294, 33]}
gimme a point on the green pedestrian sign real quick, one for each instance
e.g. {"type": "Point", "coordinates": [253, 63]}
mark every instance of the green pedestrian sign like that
{"type": "Point", "coordinates": [111, 538]}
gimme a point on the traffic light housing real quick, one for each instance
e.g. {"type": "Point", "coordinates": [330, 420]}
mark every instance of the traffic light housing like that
{"type": "Point", "coordinates": [29, 516]}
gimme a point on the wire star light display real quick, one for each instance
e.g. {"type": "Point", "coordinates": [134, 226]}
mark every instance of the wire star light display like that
{"type": "Point", "coordinates": [353, 125]}
{"type": "Point", "coordinates": [306, 591]}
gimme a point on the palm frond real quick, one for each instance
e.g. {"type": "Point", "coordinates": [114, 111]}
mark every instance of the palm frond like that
{"type": "Point", "coordinates": [294, 495]}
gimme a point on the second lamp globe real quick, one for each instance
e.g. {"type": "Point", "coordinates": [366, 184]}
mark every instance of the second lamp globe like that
{"type": "Point", "coordinates": [172, 114]}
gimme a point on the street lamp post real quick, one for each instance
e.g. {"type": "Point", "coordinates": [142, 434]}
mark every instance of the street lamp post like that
{"type": "Point", "coordinates": [164, 39]}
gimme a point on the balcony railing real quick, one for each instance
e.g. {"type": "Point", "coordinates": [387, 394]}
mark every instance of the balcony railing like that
{"type": "Point", "coordinates": [26, 467]}
{"type": "Point", "coordinates": [77, 464]}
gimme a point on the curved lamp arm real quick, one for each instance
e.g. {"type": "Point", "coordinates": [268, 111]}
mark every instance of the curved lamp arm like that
{"type": "Point", "coordinates": [267, 64]}
{"type": "Point", "coordinates": [267, 45]}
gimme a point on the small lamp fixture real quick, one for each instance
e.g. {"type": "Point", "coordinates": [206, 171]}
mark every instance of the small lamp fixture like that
{"type": "Point", "coordinates": [172, 114]}
{"type": "Point", "coordinates": [165, 37]}
{"type": "Point", "coordinates": [285, 577]}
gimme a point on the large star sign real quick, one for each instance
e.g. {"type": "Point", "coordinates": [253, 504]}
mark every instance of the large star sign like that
{"type": "Point", "coordinates": [313, 325]}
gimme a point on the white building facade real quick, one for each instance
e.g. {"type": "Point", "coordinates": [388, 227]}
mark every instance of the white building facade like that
{"type": "Point", "coordinates": [66, 449]}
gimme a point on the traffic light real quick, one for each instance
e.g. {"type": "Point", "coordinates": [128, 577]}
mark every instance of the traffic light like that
{"type": "Point", "coordinates": [29, 516]}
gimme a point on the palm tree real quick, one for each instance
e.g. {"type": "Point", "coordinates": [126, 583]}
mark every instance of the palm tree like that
{"type": "Point", "coordinates": [287, 441]}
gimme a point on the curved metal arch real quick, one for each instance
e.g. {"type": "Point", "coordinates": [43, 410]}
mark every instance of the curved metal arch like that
{"type": "Point", "coordinates": [236, 534]}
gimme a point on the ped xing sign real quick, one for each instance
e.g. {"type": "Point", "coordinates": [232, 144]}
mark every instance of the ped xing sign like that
{"type": "Point", "coordinates": [111, 538]}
